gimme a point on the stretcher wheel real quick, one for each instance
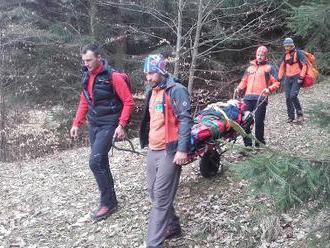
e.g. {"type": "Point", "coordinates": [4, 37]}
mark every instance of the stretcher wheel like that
{"type": "Point", "coordinates": [209, 163]}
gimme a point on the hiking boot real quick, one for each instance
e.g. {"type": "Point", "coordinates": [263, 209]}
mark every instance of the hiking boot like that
{"type": "Point", "coordinates": [102, 213]}
{"type": "Point", "coordinates": [260, 144]}
{"type": "Point", "coordinates": [173, 233]}
{"type": "Point", "coordinates": [259, 148]}
{"type": "Point", "coordinates": [289, 120]}
{"type": "Point", "coordinates": [299, 119]}
{"type": "Point", "coordinates": [243, 153]}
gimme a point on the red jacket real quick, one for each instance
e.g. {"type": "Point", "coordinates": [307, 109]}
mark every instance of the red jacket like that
{"type": "Point", "coordinates": [121, 90]}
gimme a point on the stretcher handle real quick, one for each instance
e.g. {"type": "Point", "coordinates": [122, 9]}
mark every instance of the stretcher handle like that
{"type": "Point", "coordinates": [132, 149]}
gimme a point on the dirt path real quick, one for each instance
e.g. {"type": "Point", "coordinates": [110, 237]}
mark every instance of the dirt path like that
{"type": "Point", "coordinates": [302, 139]}
{"type": "Point", "coordinates": [46, 202]}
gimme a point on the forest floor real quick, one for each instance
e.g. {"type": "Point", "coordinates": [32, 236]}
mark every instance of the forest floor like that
{"type": "Point", "coordinates": [46, 202]}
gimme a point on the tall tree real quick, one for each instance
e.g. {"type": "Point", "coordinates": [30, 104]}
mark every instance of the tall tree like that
{"type": "Point", "coordinates": [178, 38]}
{"type": "Point", "coordinates": [3, 111]}
{"type": "Point", "coordinates": [195, 46]}
{"type": "Point", "coordinates": [223, 25]}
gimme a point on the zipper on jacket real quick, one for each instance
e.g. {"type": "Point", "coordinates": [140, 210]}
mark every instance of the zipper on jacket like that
{"type": "Point", "coordinates": [254, 78]}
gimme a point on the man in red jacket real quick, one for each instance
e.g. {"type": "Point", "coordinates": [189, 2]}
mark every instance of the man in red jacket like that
{"type": "Point", "coordinates": [107, 102]}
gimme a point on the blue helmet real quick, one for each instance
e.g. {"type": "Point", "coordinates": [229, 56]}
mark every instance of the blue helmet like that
{"type": "Point", "coordinates": [155, 63]}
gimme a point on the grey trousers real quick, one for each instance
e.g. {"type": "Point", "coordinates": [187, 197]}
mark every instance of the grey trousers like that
{"type": "Point", "coordinates": [163, 179]}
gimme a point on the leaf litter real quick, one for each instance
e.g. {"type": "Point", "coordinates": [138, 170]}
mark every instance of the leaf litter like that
{"type": "Point", "coordinates": [46, 202]}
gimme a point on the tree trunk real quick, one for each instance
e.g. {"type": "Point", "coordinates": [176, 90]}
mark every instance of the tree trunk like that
{"type": "Point", "coordinates": [3, 140]}
{"type": "Point", "coordinates": [121, 42]}
{"type": "Point", "coordinates": [195, 46]}
{"type": "Point", "coordinates": [178, 40]}
{"type": "Point", "coordinates": [92, 18]}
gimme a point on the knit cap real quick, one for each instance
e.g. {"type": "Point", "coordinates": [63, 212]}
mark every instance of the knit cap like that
{"type": "Point", "coordinates": [288, 42]}
{"type": "Point", "coordinates": [155, 63]}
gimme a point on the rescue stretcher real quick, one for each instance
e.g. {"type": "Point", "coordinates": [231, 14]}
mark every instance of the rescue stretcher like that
{"type": "Point", "coordinates": [226, 122]}
{"type": "Point", "coordinates": [215, 128]}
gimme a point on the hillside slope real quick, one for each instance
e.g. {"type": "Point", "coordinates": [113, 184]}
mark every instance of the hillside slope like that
{"type": "Point", "coordinates": [46, 202]}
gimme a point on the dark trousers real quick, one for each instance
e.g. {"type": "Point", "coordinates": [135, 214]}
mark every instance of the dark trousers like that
{"type": "Point", "coordinates": [292, 88]}
{"type": "Point", "coordinates": [100, 138]}
{"type": "Point", "coordinates": [260, 115]}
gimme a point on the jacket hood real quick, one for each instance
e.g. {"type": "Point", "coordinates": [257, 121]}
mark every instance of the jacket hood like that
{"type": "Point", "coordinates": [167, 83]}
{"type": "Point", "coordinates": [170, 82]}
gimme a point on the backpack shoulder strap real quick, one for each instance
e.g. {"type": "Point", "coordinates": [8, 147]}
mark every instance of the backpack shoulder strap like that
{"type": "Point", "coordinates": [85, 91]}
{"type": "Point", "coordinates": [301, 58]}
{"type": "Point", "coordinates": [283, 58]}
{"type": "Point", "coordinates": [110, 72]}
{"type": "Point", "coordinates": [268, 73]}
{"type": "Point", "coordinates": [273, 71]}
{"type": "Point", "coordinates": [87, 97]}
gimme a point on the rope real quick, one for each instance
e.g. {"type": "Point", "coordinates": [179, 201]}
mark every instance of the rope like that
{"type": "Point", "coordinates": [259, 104]}
{"type": "Point", "coordinates": [233, 124]}
{"type": "Point", "coordinates": [235, 96]}
{"type": "Point", "coordinates": [132, 150]}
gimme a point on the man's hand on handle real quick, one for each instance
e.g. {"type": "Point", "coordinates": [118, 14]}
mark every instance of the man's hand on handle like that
{"type": "Point", "coordinates": [119, 133]}
{"type": "Point", "coordinates": [180, 158]}
{"type": "Point", "coordinates": [238, 93]}
{"type": "Point", "coordinates": [74, 132]}
{"type": "Point", "coordinates": [267, 91]}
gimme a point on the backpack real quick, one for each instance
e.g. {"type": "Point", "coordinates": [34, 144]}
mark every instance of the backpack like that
{"type": "Point", "coordinates": [124, 75]}
{"type": "Point", "coordinates": [312, 72]}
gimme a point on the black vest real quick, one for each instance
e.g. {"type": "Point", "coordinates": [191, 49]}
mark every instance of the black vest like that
{"type": "Point", "coordinates": [105, 108]}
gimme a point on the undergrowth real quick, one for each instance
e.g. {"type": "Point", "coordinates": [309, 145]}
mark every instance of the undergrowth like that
{"type": "Point", "coordinates": [292, 181]}
{"type": "Point", "coordinates": [288, 180]}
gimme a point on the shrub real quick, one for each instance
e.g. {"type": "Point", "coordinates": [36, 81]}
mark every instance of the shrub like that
{"type": "Point", "coordinates": [289, 180]}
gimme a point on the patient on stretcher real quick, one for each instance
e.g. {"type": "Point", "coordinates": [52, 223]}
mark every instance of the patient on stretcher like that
{"type": "Point", "coordinates": [211, 123]}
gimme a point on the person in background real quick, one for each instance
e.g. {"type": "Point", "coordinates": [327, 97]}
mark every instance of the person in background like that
{"type": "Point", "coordinates": [107, 102]}
{"type": "Point", "coordinates": [258, 82]}
{"type": "Point", "coordinates": [292, 70]}
{"type": "Point", "coordinates": [165, 129]}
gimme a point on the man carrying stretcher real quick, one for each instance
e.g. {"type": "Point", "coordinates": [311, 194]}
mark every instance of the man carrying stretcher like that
{"type": "Point", "coordinates": [259, 80]}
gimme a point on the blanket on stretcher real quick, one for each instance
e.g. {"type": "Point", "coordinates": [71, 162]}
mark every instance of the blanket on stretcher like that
{"type": "Point", "coordinates": [211, 123]}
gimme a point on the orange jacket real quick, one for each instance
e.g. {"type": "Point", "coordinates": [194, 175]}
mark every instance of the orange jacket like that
{"type": "Point", "coordinates": [157, 120]}
{"type": "Point", "coordinates": [177, 117]}
{"type": "Point", "coordinates": [256, 78]}
{"type": "Point", "coordinates": [293, 64]}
